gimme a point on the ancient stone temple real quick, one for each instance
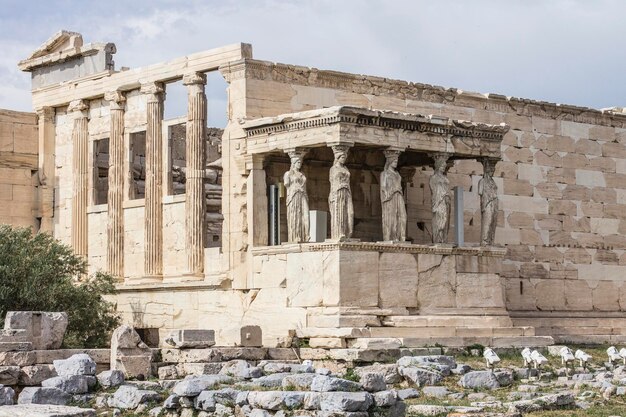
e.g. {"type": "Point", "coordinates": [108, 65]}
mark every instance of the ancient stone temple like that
{"type": "Point", "coordinates": [343, 209]}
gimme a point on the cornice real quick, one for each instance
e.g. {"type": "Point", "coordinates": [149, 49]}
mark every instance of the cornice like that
{"type": "Point", "coordinates": [430, 124]}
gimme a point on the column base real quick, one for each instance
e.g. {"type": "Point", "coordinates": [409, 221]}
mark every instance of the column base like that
{"type": "Point", "coordinates": [146, 279]}
{"type": "Point", "coordinates": [188, 276]}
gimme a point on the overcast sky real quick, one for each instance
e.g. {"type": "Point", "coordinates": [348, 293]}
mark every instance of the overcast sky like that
{"type": "Point", "coordinates": [563, 51]}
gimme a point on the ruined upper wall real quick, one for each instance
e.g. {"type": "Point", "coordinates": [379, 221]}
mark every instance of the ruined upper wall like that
{"type": "Point", "coordinates": [274, 88]}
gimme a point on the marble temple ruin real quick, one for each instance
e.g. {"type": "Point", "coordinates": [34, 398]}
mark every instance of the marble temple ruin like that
{"type": "Point", "coordinates": [341, 209]}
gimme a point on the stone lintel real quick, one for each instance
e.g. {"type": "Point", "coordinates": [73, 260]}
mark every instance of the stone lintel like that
{"type": "Point", "coordinates": [384, 247]}
{"type": "Point", "coordinates": [401, 131]}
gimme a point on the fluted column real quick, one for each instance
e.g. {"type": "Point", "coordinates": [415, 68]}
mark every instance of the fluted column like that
{"type": "Point", "coordinates": [153, 261]}
{"type": "Point", "coordinates": [45, 167]}
{"type": "Point", "coordinates": [115, 226]}
{"type": "Point", "coordinates": [195, 157]}
{"type": "Point", "coordinates": [80, 175]}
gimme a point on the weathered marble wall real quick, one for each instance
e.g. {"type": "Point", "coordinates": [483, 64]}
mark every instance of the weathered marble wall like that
{"type": "Point", "coordinates": [18, 169]}
{"type": "Point", "coordinates": [562, 181]}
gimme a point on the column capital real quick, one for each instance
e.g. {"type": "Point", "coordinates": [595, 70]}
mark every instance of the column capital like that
{"type": "Point", "coordinates": [296, 152]}
{"type": "Point", "coordinates": [78, 106]}
{"type": "Point", "coordinates": [192, 78]}
{"type": "Point", "coordinates": [45, 114]}
{"type": "Point", "coordinates": [154, 90]}
{"type": "Point", "coordinates": [254, 161]}
{"type": "Point", "coordinates": [340, 145]}
{"type": "Point", "coordinates": [116, 99]}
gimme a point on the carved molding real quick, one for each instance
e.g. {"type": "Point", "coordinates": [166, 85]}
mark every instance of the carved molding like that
{"type": "Point", "coordinates": [384, 119]}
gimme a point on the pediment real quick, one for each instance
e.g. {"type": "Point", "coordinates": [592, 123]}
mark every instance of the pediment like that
{"type": "Point", "coordinates": [60, 41]}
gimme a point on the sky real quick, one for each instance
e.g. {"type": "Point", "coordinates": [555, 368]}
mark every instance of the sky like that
{"type": "Point", "coordinates": [563, 51]}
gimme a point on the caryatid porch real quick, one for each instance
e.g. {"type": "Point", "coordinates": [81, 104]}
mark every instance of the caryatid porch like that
{"type": "Point", "coordinates": [371, 277]}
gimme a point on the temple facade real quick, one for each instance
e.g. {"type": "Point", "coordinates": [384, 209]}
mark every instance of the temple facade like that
{"type": "Point", "coordinates": [339, 209]}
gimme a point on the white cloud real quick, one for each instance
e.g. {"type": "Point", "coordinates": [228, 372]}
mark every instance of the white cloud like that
{"type": "Point", "coordinates": [563, 50]}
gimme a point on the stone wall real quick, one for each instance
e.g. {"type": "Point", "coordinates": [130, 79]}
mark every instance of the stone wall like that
{"type": "Point", "coordinates": [18, 169]}
{"type": "Point", "coordinates": [561, 182]}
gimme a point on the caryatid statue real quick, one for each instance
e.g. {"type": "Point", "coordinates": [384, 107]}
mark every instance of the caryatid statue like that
{"type": "Point", "coordinates": [488, 191]}
{"type": "Point", "coordinates": [340, 197]}
{"type": "Point", "coordinates": [392, 199]}
{"type": "Point", "coordinates": [440, 199]}
{"type": "Point", "coordinates": [297, 200]}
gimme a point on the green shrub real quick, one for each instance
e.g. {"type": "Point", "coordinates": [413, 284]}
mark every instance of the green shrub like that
{"type": "Point", "coordinates": [39, 273]}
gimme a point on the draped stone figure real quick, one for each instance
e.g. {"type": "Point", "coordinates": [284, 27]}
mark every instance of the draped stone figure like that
{"type": "Point", "coordinates": [488, 191]}
{"type": "Point", "coordinates": [340, 197]}
{"type": "Point", "coordinates": [441, 199]}
{"type": "Point", "coordinates": [392, 199]}
{"type": "Point", "coordinates": [297, 200]}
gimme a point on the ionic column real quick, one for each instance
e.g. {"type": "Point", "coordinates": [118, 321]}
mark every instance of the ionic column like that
{"type": "Point", "coordinates": [196, 161]}
{"type": "Point", "coordinates": [115, 226]}
{"type": "Point", "coordinates": [45, 168]}
{"type": "Point", "coordinates": [153, 260]}
{"type": "Point", "coordinates": [80, 175]}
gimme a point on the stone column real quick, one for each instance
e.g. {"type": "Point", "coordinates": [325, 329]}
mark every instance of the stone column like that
{"type": "Point", "coordinates": [45, 168]}
{"type": "Point", "coordinates": [80, 175]}
{"type": "Point", "coordinates": [196, 162]}
{"type": "Point", "coordinates": [115, 226]}
{"type": "Point", "coordinates": [153, 245]}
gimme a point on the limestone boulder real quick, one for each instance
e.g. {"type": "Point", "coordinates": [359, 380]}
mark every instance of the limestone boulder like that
{"type": "Point", "coordinates": [191, 338]}
{"type": "Point", "coordinates": [270, 381]}
{"type": "Point", "coordinates": [72, 384]}
{"type": "Point", "coordinates": [45, 330]}
{"type": "Point", "coordinates": [373, 381]}
{"type": "Point", "coordinates": [390, 371]}
{"type": "Point", "coordinates": [43, 395]}
{"type": "Point", "coordinates": [78, 364]}
{"type": "Point", "coordinates": [323, 383]}
{"type": "Point", "coordinates": [7, 395]}
{"type": "Point", "coordinates": [111, 378]}
{"type": "Point", "coordinates": [345, 401]}
{"type": "Point", "coordinates": [192, 386]}
{"type": "Point", "coordinates": [298, 381]}
{"type": "Point", "coordinates": [479, 380]}
{"type": "Point", "coordinates": [130, 354]}
{"type": "Point", "coordinates": [385, 398]}
{"type": "Point", "coordinates": [420, 376]}
{"type": "Point", "coordinates": [9, 375]}
{"type": "Point", "coordinates": [240, 368]}
{"type": "Point", "coordinates": [34, 374]}
{"type": "Point", "coordinates": [129, 397]}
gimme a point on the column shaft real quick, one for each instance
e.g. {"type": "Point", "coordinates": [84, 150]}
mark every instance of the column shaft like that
{"type": "Point", "coordinates": [153, 261]}
{"type": "Point", "coordinates": [80, 175]}
{"type": "Point", "coordinates": [196, 162]}
{"type": "Point", "coordinates": [115, 198]}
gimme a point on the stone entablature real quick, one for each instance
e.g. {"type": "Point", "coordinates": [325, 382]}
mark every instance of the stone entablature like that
{"type": "Point", "coordinates": [399, 130]}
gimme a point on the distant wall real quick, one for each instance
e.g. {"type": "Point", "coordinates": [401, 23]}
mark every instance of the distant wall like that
{"type": "Point", "coordinates": [18, 169]}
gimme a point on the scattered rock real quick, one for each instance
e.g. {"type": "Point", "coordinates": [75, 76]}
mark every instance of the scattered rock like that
{"type": "Point", "coordinates": [78, 364]}
{"type": "Point", "coordinates": [129, 397]}
{"type": "Point", "coordinates": [72, 384]}
{"type": "Point", "coordinates": [479, 380]}
{"type": "Point", "coordinates": [373, 381]}
{"type": "Point", "coordinates": [112, 378]}
{"type": "Point", "coordinates": [192, 386]}
{"type": "Point", "coordinates": [322, 383]}
{"type": "Point", "coordinates": [43, 395]}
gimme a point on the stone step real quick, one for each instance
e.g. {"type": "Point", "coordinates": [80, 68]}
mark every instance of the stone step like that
{"type": "Point", "coordinates": [596, 339]}
{"type": "Point", "coordinates": [343, 321]}
{"type": "Point", "coordinates": [326, 332]}
{"type": "Point", "coordinates": [437, 320]}
{"type": "Point", "coordinates": [499, 342]}
{"type": "Point", "coordinates": [581, 331]}
{"type": "Point", "coordinates": [40, 410]}
{"type": "Point", "coordinates": [450, 331]}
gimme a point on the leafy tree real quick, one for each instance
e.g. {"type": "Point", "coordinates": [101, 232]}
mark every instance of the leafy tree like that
{"type": "Point", "coordinates": [39, 273]}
